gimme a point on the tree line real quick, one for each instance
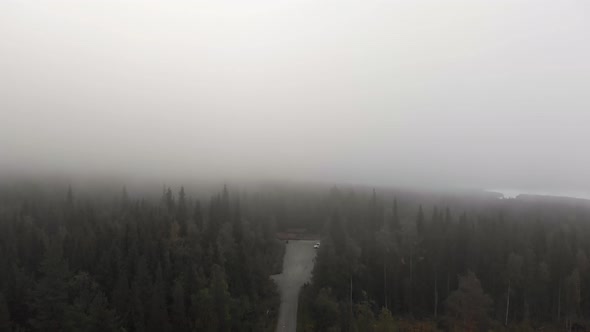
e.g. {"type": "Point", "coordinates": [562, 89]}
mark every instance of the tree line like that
{"type": "Point", "coordinates": [131, 264]}
{"type": "Point", "coordinates": [481, 264]}
{"type": "Point", "coordinates": [389, 261]}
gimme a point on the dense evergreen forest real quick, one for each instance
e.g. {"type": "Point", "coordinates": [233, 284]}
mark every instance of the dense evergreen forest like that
{"type": "Point", "coordinates": [390, 260]}
{"type": "Point", "coordinates": [451, 263]}
{"type": "Point", "coordinates": [69, 263]}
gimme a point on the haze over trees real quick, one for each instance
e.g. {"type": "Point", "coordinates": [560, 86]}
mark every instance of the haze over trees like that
{"type": "Point", "coordinates": [86, 264]}
{"type": "Point", "coordinates": [468, 264]}
{"type": "Point", "coordinates": [390, 260]}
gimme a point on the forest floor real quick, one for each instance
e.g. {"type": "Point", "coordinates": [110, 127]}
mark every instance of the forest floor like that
{"type": "Point", "coordinates": [297, 266]}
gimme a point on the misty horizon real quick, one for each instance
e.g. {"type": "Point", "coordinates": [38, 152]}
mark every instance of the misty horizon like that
{"type": "Point", "coordinates": [477, 95]}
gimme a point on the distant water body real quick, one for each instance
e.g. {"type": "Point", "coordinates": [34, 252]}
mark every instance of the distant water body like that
{"type": "Point", "coordinates": [512, 193]}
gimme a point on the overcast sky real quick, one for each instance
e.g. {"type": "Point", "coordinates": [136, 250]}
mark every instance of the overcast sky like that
{"type": "Point", "coordinates": [491, 94]}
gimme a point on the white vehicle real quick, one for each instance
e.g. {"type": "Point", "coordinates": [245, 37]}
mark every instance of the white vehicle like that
{"type": "Point", "coordinates": [316, 246]}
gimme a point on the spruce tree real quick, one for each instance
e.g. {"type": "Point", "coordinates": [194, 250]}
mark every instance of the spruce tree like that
{"type": "Point", "coordinates": [181, 213]}
{"type": "Point", "coordinates": [49, 297]}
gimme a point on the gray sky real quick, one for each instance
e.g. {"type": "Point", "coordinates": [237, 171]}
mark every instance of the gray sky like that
{"type": "Point", "coordinates": [475, 93]}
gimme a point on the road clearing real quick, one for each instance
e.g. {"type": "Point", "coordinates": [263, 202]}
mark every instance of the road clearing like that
{"type": "Point", "coordinates": [297, 266]}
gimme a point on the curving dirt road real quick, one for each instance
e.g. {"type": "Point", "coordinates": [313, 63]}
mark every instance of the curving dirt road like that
{"type": "Point", "coordinates": [297, 265]}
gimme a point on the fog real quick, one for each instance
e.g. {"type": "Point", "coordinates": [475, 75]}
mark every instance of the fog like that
{"type": "Point", "coordinates": [478, 94]}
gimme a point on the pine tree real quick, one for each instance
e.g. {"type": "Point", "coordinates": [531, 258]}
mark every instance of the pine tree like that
{"type": "Point", "coordinates": [169, 200]}
{"type": "Point", "coordinates": [181, 213]}
{"type": "Point", "coordinates": [237, 222]}
{"type": "Point", "coordinates": [374, 213]}
{"type": "Point", "coordinates": [198, 215]}
{"type": "Point", "coordinates": [49, 298]}
{"type": "Point", "coordinates": [337, 232]}
{"type": "Point", "coordinates": [225, 207]}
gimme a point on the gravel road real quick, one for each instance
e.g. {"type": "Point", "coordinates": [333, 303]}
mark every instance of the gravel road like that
{"type": "Point", "coordinates": [297, 265]}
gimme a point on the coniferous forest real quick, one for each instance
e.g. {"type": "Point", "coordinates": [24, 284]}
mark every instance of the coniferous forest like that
{"type": "Point", "coordinates": [451, 263]}
{"type": "Point", "coordinates": [390, 260]}
{"type": "Point", "coordinates": [126, 264]}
